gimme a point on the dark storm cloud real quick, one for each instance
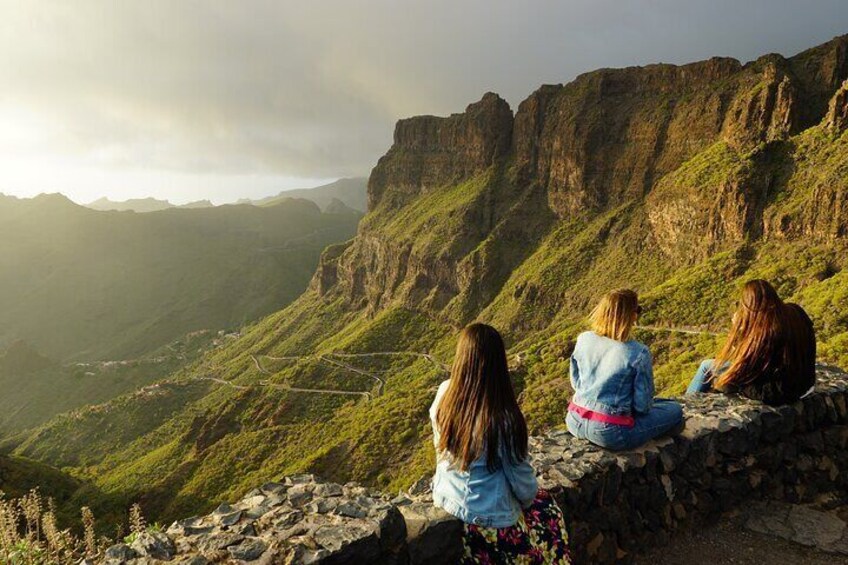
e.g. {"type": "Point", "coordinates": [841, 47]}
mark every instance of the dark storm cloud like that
{"type": "Point", "coordinates": [312, 89]}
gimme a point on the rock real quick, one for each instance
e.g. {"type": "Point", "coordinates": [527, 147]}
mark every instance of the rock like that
{"type": "Point", "coordinates": [328, 490]}
{"type": "Point", "coordinates": [248, 550]}
{"type": "Point", "coordinates": [230, 519]}
{"type": "Point", "coordinates": [837, 114]}
{"type": "Point", "coordinates": [322, 505]}
{"type": "Point", "coordinates": [350, 510]}
{"type": "Point", "coordinates": [801, 524]}
{"type": "Point", "coordinates": [191, 560]}
{"type": "Point", "coordinates": [274, 488]}
{"type": "Point", "coordinates": [121, 552]}
{"type": "Point", "coordinates": [154, 544]}
{"type": "Point", "coordinates": [421, 486]}
{"type": "Point", "coordinates": [220, 541]}
{"type": "Point", "coordinates": [433, 535]}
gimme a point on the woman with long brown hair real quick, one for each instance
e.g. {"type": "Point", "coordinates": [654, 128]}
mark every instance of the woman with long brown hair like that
{"type": "Point", "coordinates": [770, 352]}
{"type": "Point", "coordinates": [483, 475]}
{"type": "Point", "coordinates": [612, 375]}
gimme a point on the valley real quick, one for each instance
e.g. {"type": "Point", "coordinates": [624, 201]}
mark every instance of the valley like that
{"type": "Point", "coordinates": [679, 181]}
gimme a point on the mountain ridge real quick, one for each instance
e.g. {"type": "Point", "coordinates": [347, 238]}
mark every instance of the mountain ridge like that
{"type": "Point", "coordinates": [349, 191]}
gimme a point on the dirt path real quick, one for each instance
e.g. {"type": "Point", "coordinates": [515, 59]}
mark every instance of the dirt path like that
{"type": "Point", "coordinates": [328, 360]}
{"type": "Point", "coordinates": [683, 330]}
{"type": "Point", "coordinates": [265, 371]}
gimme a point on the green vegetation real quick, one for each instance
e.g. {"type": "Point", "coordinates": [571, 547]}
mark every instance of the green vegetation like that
{"type": "Point", "coordinates": [37, 389]}
{"type": "Point", "coordinates": [339, 382]}
{"type": "Point", "coordinates": [79, 284]}
{"type": "Point", "coordinates": [202, 441]}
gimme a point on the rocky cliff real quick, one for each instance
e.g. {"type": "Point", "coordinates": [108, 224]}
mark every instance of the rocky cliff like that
{"type": "Point", "coordinates": [703, 149]}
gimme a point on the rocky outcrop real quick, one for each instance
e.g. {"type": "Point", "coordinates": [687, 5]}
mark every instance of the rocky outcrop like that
{"type": "Point", "coordinates": [691, 227]}
{"type": "Point", "coordinates": [818, 72]}
{"type": "Point", "coordinates": [616, 504]}
{"type": "Point", "coordinates": [766, 108]}
{"type": "Point", "coordinates": [608, 135]}
{"type": "Point", "coordinates": [837, 113]}
{"type": "Point", "coordinates": [429, 151]}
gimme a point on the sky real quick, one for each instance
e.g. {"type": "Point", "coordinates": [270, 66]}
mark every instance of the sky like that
{"type": "Point", "coordinates": [187, 100]}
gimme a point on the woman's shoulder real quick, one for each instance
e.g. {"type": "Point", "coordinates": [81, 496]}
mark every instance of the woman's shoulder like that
{"type": "Point", "coordinates": [798, 310]}
{"type": "Point", "coordinates": [438, 398]}
{"type": "Point", "coordinates": [440, 392]}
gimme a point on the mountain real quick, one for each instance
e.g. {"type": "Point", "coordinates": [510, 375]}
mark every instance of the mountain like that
{"type": "Point", "coordinates": [679, 181]}
{"type": "Point", "coordinates": [78, 284]}
{"type": "Point", "coordinates": [197, 204]}
{"type": "Point", "coordinates": [133, 204]}
{"type": "Point", "coordinates": [350, 192]}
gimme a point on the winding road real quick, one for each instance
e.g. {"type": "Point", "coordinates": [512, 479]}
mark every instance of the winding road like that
{"type": "Point", "coordinates": [689, 331]}
{"type": "Point", "coordinates": [268, 384]}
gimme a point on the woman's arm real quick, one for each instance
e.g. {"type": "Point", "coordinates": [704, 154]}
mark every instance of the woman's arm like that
{"type": "Point", "coordinates": [434, 410]}
{"type": "Point", "coordinates": [643, 383]}
{"type": "Point", "coordinates": [522, 480]}
{"type": "Point", "coordinates": [574, 374]}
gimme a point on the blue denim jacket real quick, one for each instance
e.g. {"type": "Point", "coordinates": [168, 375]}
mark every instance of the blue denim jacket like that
{"type": "Point", "coordinates": [478, 496]}
{"type": "Point", "coordinates": [610, 376]}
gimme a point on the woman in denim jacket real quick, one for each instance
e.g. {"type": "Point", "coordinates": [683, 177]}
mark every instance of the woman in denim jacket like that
{"type": "Point", "coordinates": [483, 476]}
{"type": "Point", "coordinates": [612, 375]}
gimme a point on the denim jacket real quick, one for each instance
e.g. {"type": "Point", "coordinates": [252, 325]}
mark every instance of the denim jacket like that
{"type": "Point", "coordinates": [610, 376]}
{"type": "Point", "coordinates": [479, 496]}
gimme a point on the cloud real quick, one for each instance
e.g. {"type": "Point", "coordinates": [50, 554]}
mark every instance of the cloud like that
{"type": "Point", "coordinates": [287, 89]}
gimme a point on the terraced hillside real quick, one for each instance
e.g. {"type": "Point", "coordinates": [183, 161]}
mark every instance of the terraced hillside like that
{"type": "Point", "coordinates": [679, 181]}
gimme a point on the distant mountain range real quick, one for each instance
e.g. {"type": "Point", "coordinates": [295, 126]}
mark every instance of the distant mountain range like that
{"type": "Point", "coordinates": [79, 284]}
{"type": "Point", "coordinates": [351, 192]}
{"type": "Point", "coordinates": [142, 205]}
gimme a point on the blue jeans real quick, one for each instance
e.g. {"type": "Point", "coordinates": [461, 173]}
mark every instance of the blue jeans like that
{"type": "Point", "coordinates": [699, 381]}
{"type": "Point", "coordinates": [664, 416]}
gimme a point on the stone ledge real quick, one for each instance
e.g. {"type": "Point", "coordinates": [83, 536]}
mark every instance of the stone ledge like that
{"type": "Point", "coordinates": [616, 504]}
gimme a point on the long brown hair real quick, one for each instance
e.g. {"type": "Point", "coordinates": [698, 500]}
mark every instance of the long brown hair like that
{"type": "Point", "coordinates": [615, 314]}
{"type": "Point", "coordinates": [756, 340]}
{"type": "Point", "coordinates": [479, 409]}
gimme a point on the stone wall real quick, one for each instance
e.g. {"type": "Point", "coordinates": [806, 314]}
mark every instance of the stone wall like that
{"type": "Point", "coordinates": [615, 503]}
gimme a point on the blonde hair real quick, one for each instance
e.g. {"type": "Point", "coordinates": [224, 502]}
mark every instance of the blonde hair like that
{"type": "Point", "coordinates": [615, 314]}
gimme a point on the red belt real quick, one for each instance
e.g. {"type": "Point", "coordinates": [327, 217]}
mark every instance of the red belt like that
{"type": "Point", "coordinates": [626, 421]}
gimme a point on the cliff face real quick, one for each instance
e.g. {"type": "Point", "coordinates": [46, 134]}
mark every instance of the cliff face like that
{"type": "Point", "coordinates": [429, 152]}
{"type": "Point", "coordinates": [704, 145]}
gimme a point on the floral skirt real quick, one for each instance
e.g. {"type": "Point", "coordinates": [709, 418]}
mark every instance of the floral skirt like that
{"type": "Point", "coordinates": [539, 537]}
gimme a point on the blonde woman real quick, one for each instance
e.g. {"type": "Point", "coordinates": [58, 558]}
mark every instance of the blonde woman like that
{"type": "Point", "coordinates": [612, 375]}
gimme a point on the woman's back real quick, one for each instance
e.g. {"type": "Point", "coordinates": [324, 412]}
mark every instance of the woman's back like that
{"type": "Point", "coordinates": [603, 373]}
{"type": "Point", "coordinates": [770, 351]}
{"type": "Point", "coordinates": [480, 495]}
{"type": "Point", "coordinates": [483, 474]}
{"type": "Point", "coordinates": [791, 372]}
